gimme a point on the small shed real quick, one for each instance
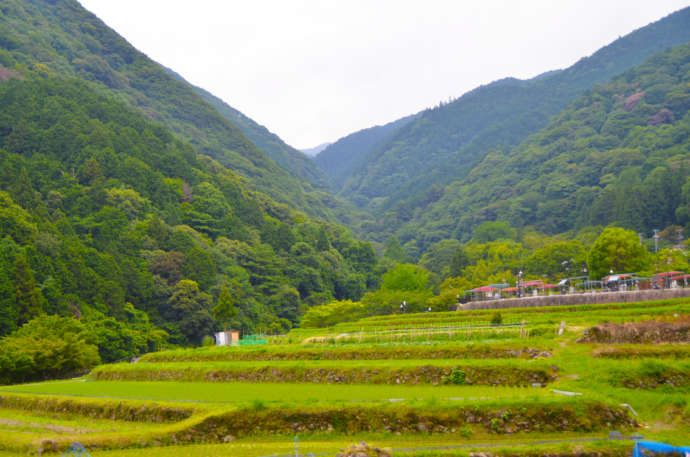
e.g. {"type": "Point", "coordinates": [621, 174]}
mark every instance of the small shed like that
{"type": "Point", "coordinates": [532, 287]}
{"type": "Point", "coordinates": [481, 293]}
{"type": "Point", "coordinates": [228, 338]}
{"type": "Point", "coordinates": [663, 280]}
{"type": "Point", "coordinates": [681, 280]}
{"type": "Point", "coordinates": [550, 288]}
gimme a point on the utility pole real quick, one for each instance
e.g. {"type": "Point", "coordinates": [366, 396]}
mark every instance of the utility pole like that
{"type": "Point", "coordinates": [656, 241]}
{"type": "Point", "coordinates": [656, 249]}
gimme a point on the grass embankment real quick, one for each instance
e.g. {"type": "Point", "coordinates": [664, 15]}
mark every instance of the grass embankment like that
{"type": "Point", "coordinates": [72, 420]}
{"type": "Point", "coordinates": [488, 372]}
{"type": "Point", "coordinates": [263, 418]}
{"type": "Point", "coordinates": [643, 352]}
{"type": "Point", "coordinates": [354, 352]}
{"type": "Point", "coordinates": [400, 445]}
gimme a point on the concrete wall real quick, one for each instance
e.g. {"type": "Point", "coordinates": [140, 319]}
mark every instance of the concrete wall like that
{"type": "Point", "coordinates": [579, 299]}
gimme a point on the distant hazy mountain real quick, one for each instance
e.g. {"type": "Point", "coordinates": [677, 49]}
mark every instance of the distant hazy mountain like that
{"type": "Point", "coordinates": [312, 152]}
{"type": "Point", "coordinates": [342, 158]}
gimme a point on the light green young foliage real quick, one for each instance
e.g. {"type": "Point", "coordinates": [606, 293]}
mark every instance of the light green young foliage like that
{"type": "Point", "coordinates": [617, 250]}
{"type": "Point", "coordinates": [333, 313]}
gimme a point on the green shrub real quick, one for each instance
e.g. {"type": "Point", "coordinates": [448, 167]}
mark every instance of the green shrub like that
{"type": "Point", "coordinates": [45, 348]}
{"type": "Point", "coordinates": [208, 341]}
{"type": "Point", "coordinates": [456, 376]}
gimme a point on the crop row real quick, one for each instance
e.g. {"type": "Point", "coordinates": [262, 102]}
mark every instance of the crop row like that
{"type": "Point", "coordinates": [505, 375]}
{"type": "Point", "coordinates": [358, 353]}
{"type": "Point", "coordinates": [589, 313]}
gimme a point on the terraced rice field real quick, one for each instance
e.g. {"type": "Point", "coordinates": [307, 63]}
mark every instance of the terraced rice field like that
{"type": "Point", "coordinates": [418, 396]}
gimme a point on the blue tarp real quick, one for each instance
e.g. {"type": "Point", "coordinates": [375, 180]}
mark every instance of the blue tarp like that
{"type": "Point", "coordinates": [658, 447]}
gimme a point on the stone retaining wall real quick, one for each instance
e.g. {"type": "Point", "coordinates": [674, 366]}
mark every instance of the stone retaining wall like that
{"type": "Point", "coordinates": [579, 299]}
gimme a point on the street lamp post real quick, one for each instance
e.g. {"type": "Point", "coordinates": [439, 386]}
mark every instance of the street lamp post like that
{"type": "Point", "coordinates": [519, 284]}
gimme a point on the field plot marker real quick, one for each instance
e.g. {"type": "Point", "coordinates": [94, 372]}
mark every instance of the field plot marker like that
{"type": "Point", "coordinates": [565, 392]}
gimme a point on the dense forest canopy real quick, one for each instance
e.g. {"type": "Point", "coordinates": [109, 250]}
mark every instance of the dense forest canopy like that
{"type": "Point", "coordinates": [618, 154]}
{"type": "Point", "coordinates": [103, 211]}
{"type": "Point", "coordinates": [60, 37]}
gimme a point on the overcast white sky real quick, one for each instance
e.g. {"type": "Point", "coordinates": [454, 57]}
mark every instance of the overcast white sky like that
{"type": "Point", "coordinates": [314, 71]}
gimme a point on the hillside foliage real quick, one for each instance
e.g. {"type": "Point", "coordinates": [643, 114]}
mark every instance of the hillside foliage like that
{"type": "Point", "coordinates": [62, 38]}
{"type": "Point", "coordinates": [420, 181]}
{"type": "Point", "coordinates": [618, 154]}
{"type": "Point", "coordinates": [109, 217]}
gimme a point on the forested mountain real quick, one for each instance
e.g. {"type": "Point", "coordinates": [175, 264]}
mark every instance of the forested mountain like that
{"type": "Point", "coordinates": [342, 158]}
{"type": "Point", "coordinates": [110, 217]}
{"type": "Point", "coordinates": [401, 178]}
{"type": "Point", "coordinates": [313, 152]}
{"type": "Point", "coordinates": [619, 154]}
{"type": "Point", "coordinates": [283, 154]}
{"type": "Point", "coordinates": [60, 37]}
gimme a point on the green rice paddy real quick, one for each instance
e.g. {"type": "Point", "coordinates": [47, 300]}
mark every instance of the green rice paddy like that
{"type": "Point", "coordinates": [47, 417]}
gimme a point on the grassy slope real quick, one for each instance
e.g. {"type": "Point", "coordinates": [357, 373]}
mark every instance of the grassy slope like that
{"type": "Point", "coordinates": [247, 393]}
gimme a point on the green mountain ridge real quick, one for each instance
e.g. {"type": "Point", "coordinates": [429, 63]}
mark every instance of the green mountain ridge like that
{"type": "Point", "coordinates": [289, 158]}
{"type": "Point", "coordinates": [620, 154]}
{"type": "Point", "coordinates": [63, 38]}
{"type": "Point", "coordinates": [401, 179]}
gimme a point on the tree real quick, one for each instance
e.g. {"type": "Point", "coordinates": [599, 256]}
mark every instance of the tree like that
{"type": "Point", "coordinates": [333, 313]}
{"type": "Point", "coordinates": [459, 261]}
{"type": "Point", "coordinates": [44, 348]}
{"type": "Point", "coordinates": [563, 258]}
{"type": "Point", "coordinates": [494, 231]}
{"type": "Point", "coordinates": [190, 310]}
{"type": "Point", "coordinates": [15, 221]}
{"type": "Point", "coordinates": [225, 310]}
{"type": "Point", "coordinates": [617, 250]}
{"type": "Point", "coordinates": [28, 296]}
{"type": "Point", "coordinates": [407, 277]}
{"type": "Point", "coordinates": [438, 258]}
{"type": "Point", "coordinates": [394, 250]}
